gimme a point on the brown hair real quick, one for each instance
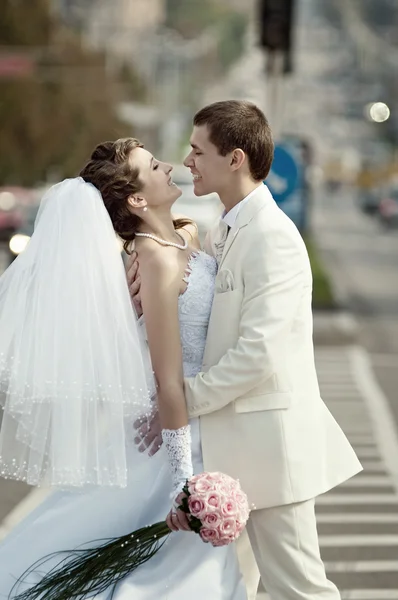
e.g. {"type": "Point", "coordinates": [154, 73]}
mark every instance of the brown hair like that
{"type": "Point", "coordinates": [111, 173]}
{"type": "Point", "coordinates": [239, 124]}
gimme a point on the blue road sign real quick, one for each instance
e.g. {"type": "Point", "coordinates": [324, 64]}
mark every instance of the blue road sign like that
{"type": "Point", "coordinates": [286, 182]}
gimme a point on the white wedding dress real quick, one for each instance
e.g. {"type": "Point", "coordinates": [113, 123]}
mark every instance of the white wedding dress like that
{"type": "Point", "coordinates": [185, 567]}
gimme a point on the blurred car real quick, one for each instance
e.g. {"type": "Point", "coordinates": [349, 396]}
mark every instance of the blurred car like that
{"type": "Point", "coordinates": [369, 201]}
{"type": "Point", "coordinates": [204, 210]}
{"type": "Point", "coordinates": [388, 209]}
{"type": "Point", "coordinates": [20, 238]}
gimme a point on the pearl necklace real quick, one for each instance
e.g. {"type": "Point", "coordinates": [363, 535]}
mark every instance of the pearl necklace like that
{"type": "Point", "coordinates": [183, 246]}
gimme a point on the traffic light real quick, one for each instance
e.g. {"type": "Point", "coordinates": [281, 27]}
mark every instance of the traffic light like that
{"type": "Point", "coordinates": [276, 18]}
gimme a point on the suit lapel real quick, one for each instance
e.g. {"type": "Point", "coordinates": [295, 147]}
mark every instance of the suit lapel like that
{"type": "Point", "coordinates": [258, 201]}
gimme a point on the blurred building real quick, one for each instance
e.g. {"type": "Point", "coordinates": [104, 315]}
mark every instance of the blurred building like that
{"type": "Point", "coordinates": [118, 27]}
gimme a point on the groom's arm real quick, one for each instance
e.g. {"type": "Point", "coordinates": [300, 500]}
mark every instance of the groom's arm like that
{"type": "Point", "coordinates": [276, 272]}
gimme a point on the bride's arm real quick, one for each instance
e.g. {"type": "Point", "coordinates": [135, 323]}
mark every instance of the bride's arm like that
{"type": "Point", "coordinates": [160, 288]}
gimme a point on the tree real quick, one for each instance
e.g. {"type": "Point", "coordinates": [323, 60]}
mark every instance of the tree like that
{"type": "Point", "coordinates": [50, 120]}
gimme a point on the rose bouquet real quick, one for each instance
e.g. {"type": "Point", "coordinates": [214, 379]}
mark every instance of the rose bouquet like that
{"type": "Point", "coordinates": [217, 509]}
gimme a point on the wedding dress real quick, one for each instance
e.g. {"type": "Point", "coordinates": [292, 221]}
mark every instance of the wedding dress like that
{"type": "Point", "coordinates": [185, 567]}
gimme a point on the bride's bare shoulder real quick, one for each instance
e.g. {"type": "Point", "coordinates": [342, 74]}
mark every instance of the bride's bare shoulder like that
{"type": "Point", "coordinates": [189, 231]}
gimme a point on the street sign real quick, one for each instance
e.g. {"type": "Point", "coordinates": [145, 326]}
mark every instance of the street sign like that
{"type": "Point", "coordinates": [284, 175]}
{"type": "Point", "coordinates": [286, 181]}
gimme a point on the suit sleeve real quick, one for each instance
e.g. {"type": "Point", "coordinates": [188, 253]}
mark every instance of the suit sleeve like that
{"type": "Point", "coordinates": [274, 280]}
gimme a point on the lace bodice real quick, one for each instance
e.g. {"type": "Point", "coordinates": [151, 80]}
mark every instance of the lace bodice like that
{"type": "Point", "coordinates": [194, 310]}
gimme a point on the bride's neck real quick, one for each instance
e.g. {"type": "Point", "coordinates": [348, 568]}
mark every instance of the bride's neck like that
{"type": "Point", "coordinates": [159, 224]}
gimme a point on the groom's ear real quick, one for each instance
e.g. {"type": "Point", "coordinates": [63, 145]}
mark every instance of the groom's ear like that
{"type": "Point", "coordinates": [237, 159]}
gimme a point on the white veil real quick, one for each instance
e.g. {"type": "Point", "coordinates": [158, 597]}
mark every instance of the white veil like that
{"type": "Point", "coordinates": [73, 376]}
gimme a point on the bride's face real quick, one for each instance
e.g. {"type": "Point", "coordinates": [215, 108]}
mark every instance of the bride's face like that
{"type": "Point", "coordinates": [158, 187]}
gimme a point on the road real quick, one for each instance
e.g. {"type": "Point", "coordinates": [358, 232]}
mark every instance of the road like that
{"type": "Point", "coordinates": [358, 521]}
{"type": "Point", "coordinates": [363, 262]}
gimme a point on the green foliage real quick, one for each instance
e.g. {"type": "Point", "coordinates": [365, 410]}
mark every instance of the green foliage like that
{"type": "Point", "coordinates": [322, 295]}
{"type": "Point", "coordinates": [25, 23]}
{"type": "Point", "coordinates": [190, 17]}
{"type": "Point", "coordinates": [52, 119]}
{"type": "Point", "coordinates": [232, 37]}
{"type": "Point", "coordinates": [134, 86]}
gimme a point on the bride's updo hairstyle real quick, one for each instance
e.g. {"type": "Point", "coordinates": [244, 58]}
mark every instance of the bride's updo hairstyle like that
{"type": "Point", "coordinates": [111, 172]}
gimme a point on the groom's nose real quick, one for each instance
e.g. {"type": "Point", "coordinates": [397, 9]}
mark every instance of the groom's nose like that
{"type": "Point", "coordinates": [188, 161]}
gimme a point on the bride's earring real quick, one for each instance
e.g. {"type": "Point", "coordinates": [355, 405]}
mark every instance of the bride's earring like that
{"type": "Point", "coordinates": [145, 208]}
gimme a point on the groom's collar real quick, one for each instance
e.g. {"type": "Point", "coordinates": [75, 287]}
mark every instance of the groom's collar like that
{"type": "Point", "coordinates": [249, 207]}
{"type": "Point", "coordinates": [231, 216]}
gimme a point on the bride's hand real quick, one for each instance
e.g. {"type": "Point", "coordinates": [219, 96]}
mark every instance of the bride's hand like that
{"type": "Point", "coordinates": [177, 520]}
{"type": "Point", "coordinates": [149, 433]}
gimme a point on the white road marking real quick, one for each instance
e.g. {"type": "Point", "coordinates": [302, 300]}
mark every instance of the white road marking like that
{"type": "Point", "coordinates": [339, 518]}
{"type": "Point", "coordinates": [338, 499]}
{"type": "Point", "coordinates": [363, 566]}
{"type": "Point", "coordinates": [333, 541]}
{"type": "Point", "coordinates": [379, 408]}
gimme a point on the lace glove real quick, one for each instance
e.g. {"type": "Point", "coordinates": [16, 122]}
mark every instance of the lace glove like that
{"type": "Point", "coordinates": [178, 447]}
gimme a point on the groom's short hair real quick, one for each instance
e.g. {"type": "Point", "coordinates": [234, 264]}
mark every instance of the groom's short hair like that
{"type": "Point", "coordinates": [240, 124]}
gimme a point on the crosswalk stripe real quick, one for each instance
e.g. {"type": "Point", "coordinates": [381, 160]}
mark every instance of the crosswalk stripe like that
{"type": "Point", "coordinates": [361, 438]}
{"type": "Point", "coordinates": [373, 465]}
{"type": "Point", "coordinates": [331, 541]}
{"type": "Point", "coordinates": [368, 481]}
{"type": "Point", "coordinates": [337, 518]}
{"type": "Point", "coordinates": [357, 499]}
{"type": "Point", "coordinates": [386, 594]}
{"type": "Point", "coordinates": [362, 566]}
{"type": "Point", "coordinates": [366, 452]}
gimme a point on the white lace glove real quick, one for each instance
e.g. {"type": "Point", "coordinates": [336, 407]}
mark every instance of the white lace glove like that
{"type": "Point", "coordinates": [178, 447]}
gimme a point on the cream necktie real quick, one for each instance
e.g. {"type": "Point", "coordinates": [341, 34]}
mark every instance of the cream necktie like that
{"type": "Point", "coordinates": [221, 238]}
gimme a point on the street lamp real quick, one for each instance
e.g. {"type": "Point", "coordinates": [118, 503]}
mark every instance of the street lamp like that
{"type": "Point", "coordinates": [378, 112]}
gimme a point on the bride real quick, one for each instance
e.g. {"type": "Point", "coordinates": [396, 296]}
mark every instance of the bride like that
{"type": "Point", "coordinates": [74, 376]}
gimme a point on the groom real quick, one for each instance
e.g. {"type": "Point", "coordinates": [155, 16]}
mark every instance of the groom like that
{"type": "Point", "coordinates": [261, 415]}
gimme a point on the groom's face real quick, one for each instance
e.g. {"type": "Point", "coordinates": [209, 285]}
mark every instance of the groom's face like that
{"type": "Point", "coordinates": [210, 170]}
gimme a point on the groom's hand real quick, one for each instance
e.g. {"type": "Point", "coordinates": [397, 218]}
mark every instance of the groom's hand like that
{"type": "Point", "coordinates": [134, 282]}
{"type": "Point", "coordinates": [148, 433]}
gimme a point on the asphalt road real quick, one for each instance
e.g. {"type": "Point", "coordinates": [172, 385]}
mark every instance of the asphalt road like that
{"type": "Point", "coordinates": [363, 261]}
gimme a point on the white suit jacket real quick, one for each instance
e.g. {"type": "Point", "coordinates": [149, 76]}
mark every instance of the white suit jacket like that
{"type": "Point", "coordinates": [262, 419]}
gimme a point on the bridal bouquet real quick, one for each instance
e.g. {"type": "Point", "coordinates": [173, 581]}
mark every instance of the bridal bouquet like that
{"type": "Point", "coordinates": [217, 510]}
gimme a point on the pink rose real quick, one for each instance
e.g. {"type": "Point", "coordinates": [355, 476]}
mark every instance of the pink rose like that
{"type": "Point", "coordinates": [228, 528]}
{"type": "Point", "coordinates": [239, 527]}
{"type": "Point", "coordinates": [202, 486]}
{"type": "Point", "coordinates": [197, 507]}
{"type": "Point", "coordinates": [209, 535]}
{"type": "Point", "coordinates": [211, 520]}
{"type": "Point", "coordinates": [213, 500]}
{"type": "Point", "coordinates": [214, 476]}
{"type": "Point", "coordinates": [224, 489]}
{"type": "Point", "coordinates": [191, 483]}
{"type": "Point", "coordinates": [229, 509]}
{"type": "Point", "coordinates": [224, 541]}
